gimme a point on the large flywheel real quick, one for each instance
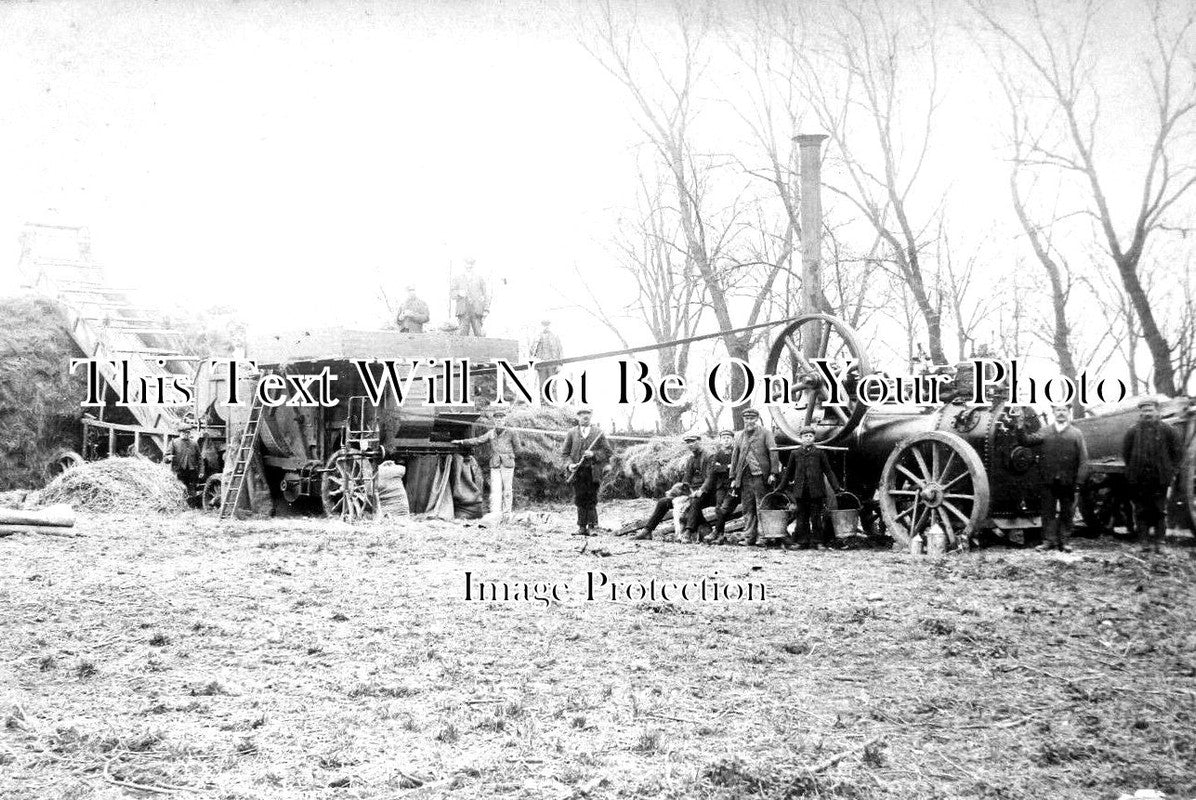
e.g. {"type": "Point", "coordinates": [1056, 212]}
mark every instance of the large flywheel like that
{"type": "Point", "coordinates": [348, 488]}
{"type": "Point", "coordinates": [933, 477]}
{"type": "Point", "coordinates": [793, 356]}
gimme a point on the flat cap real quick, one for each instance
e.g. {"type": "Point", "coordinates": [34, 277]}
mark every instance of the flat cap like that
{"type": "Point", "coordinates": [1148, 401]}
{"type": "Point", "coordinates": [691, 437]}
{"type": "Point", "coordinates": [751, 412]}
{"type": "Point", "coordinates": [585, 411]}
{"type": "Point", "coordinates": [807, 429]}
{"type": "Point", "coordinates": [726, 432]}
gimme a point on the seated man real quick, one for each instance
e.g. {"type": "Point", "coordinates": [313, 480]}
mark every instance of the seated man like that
{"type": "Point", "coordinates": [804, 477]}
{"type": "Point", "coordinates": [714, 491]}
{"type": "Point", "coordinates": [692, 475]}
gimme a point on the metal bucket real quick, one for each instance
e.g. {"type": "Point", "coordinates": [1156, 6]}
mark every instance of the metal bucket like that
{"type": "Point", "coordinates": [846, 521]}
{"type": "Point", "coordinates": [774, 522]}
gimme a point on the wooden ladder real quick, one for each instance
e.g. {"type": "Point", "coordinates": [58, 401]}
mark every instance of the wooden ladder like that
{"type": "Point", "coordinates": [244, 454]}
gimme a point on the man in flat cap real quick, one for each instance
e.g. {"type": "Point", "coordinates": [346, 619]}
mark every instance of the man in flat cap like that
{"type": "Point", "coordinates": [587, 451]}
{"type": "Point", "coordinates": [691, 477]}
{"type": "Point", "coordinates": [183, 457]}
{"type": "Point", "coordinates": [471, 299]}
{"type": "Point", "coordinates": [504, 444]}
{"type": "Point", "coordinates": [413, 314]}
{"type": "Point", "coordinates": [754, 466]}
{"type": "Point", "coordinates": [547, 348]}
{"type": "Point", "coordinates": [1152, 451]}
{"type": "Point", "coordinates": [1062, 464]}
{"type": "Point", "coordinates": [714, 491]}
{"type": "Point", "coordinates": [805, 476]}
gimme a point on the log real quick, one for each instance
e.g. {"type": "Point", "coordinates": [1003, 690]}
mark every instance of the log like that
{"type": "Point", "coordinates": [44, 530]}
{"type": "Point", "coordinates": [57, 516]}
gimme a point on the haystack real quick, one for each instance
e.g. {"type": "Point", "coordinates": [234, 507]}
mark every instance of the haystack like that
{"type": "Point", "coordinates": [39, 398]}
{"type": "Point", "coordinates": [653, 467]}
{"type": "Point", "coordinates": [129, 485]}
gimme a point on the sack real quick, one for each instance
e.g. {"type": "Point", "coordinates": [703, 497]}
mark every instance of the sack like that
{"type": "Point", "coordinates": [467, 482]}
{"type": "Point", "coordinates": [392, 494]}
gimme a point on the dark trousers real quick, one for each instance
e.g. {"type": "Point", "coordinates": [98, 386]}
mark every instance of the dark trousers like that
{"type": "Point", "coordinates": [187, 477]}
{"type": "Point", "coordinates": [751, 491]}
{"type": "Point", "coordinates": [808, 529]}
{"type": "Point", "coordinates": [717, 497]}
{"type": "Point", "coordinates": [585, 495]}
{"type": "Point", "coordinates": [1150, 512]}
{"type": "Point", "coordinates": [664, 507]}
{"type": "Point", "coordinates": [1057, 506]}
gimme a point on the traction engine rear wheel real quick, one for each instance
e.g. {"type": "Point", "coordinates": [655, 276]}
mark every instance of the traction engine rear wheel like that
{"type": "Point", "coordinates": [933, 477]}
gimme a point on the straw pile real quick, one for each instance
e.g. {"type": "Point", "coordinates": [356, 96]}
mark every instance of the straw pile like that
{"type": "Point", "coordinates": [39, 398]}
{"type": "Point", "coordinates": [653, 467]}
{"type": "Point", "coordinates": [130, 485]}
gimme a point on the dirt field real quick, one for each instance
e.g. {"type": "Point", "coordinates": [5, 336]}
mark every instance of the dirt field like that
{"type": "Point", "coordinates": [299, 658]}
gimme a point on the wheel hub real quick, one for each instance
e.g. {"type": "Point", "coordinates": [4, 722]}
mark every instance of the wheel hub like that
{"type": "Point", "coordinates": [932, 494]}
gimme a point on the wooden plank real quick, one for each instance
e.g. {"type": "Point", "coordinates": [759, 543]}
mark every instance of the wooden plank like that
{"type": "Point", "coordinates": [340, 344]}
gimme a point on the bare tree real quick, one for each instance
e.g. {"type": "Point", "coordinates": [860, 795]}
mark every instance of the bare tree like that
{"type": "Point", "coordinates": [874, 89]}
{"type": "Point", "coordinates": [967, 306]}
{"type": "Point", "coordinates": [666, 114]}
{"type": "Point", "coordinates": [669, 292]}
{"type": "Point", "coordinates": [1185, 335]}
{"type": "Point", "coordinates": [1062, 66]}
{"type": "Point", "coordinates": [1117, 315]}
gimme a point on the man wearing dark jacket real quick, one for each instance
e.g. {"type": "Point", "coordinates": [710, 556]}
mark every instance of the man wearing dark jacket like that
{"type": "Point", "coordinates": [714, 491]}
{"type": "Point", "coordinates": [586, 449]}
{"type": "Point", "coordinates": [754, 465]}
{"type": "Point", "coordinates": [1062, 464]}
{"type": "Point", "coordinates": [1152, 451]}
{"type": "Point", "coordinates": [183, 457]}
{"type": "Point", "coordinates": [691, 477]}
{"type": "Point", "coordinates": [807, 471]}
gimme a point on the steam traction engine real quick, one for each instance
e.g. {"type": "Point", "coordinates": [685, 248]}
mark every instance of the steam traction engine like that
{"type": "Point", "coordinates": [959, 466]}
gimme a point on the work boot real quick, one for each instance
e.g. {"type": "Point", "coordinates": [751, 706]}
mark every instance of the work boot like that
{"type": "Point", "coordinates": [642, 535]}
{"type": "Point", "coordinates": [581, 530]}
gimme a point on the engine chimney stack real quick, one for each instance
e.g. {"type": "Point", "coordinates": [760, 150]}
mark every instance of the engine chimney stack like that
{"type": "Point", "coordinates": [810, 145]}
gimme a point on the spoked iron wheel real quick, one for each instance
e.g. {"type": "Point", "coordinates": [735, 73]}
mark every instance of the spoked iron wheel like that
{"type": "Point", "coordinates": [60, 462]}
{"type": "Point", "coordinates": [213, 493]}
{"type": "Point", "coordinates": [933, 477]}
{"type": "Point", "coordinates": [817, 336]}
{"type": "Point", "coordinates": [1104, 504]}
{"type": "Point", "coordinates": [347, 487]}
